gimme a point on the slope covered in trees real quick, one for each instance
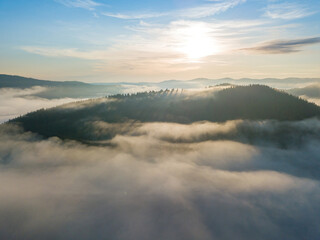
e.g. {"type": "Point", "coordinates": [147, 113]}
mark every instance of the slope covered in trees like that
{"type": "Point", "coordinates": [253, 102]}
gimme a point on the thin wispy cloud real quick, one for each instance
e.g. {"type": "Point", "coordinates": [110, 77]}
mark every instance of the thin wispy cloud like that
{"type": "Point", "coordinates": [284, 46]}
{"type": "Point", "coordinates": [65, 52]}
{"type": "Point", "coordinates": [194, 12]}
{"type": "Point", "coordinates": [139, 58]}
{"type": "Point", "coordinates": [208, 9]}
{"type": "Point", "coordinates": [134, 15]}
{"type": "Point", "coordinates": [86, 4]}
{"type": "Point", "coordinates": [287, 11]}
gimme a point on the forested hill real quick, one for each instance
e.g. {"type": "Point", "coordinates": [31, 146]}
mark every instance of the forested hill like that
{"type": "Point", "coordinates": [253, 102]}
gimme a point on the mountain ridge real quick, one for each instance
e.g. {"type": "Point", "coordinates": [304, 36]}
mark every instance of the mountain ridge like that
{"type": "Point", "coordinates": [15, 81]}
{"type": "Point", "coordinates": [254, 102]}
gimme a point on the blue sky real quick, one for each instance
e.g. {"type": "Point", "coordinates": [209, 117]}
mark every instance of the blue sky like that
{"type": "Point", "coordinates": [122, 40]}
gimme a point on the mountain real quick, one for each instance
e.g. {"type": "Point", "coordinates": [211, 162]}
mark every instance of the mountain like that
{"type": "Point", "coordinates": [56, 89]}
{"type": "Point", "coordinates": [10, 81]}
{"type": "Point", "coordinates": [254, 102]}
{"type": "Point", "coordinates": [76, 89]}
{"type": "Point", "coordinates": [204, 82]}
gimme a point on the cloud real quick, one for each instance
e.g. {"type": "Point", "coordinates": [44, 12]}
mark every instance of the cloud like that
{"type": "Point", "coordinates": [311, 92]}
{"type": "Point", "coordinates": [158, 48]}
{"type": "Point", "coordinates": [194, 12]}
{"type": "Point", "coordinates": [134, 16]}
{"type": "Point", "coordinates": [144, 55]}
{"type": "Point", "coordinates": [208, 10]}
{"type": "Point", "coordinates": [16, 102]}
{"type": "Point", "coordinates": [287, 11]}
{"type": "Point", "coordinates": [86, 4]}
{"type": "Point", "coordinates": [310, 99]}
{"type": "Point", "coordinates": [145, 187]}
{"type": "Point", "coordinates": [65, 52]}
{"type": "Point", "coordinates": [171, 50]}
{"type": "Point", "coordinates": [248, 132]}
{"type": "Point", "coordinates": [284, 46]}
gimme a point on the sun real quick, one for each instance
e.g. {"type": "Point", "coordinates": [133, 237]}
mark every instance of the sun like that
{"type": "Point", "coordinates": [195, 41]}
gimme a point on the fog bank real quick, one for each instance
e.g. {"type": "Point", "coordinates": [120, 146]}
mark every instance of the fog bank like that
{"type": "Point", "coordinates": [143, 184]}
{"type": "Point", "coordinates": [17, 102]}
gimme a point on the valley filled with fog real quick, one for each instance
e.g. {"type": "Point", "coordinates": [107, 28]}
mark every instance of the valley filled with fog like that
{"type": "Point", "coordinates": [20, 95]}
{"type": "Point", "coordinates": [207, 163]}
{"type": "Point", "coordinates": [160, 120]}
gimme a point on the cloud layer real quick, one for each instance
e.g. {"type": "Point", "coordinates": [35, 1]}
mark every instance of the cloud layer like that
{"type": "Point", "coordinates": [16, 102]}
{"type": "Point", "coordinates": [142, 185]}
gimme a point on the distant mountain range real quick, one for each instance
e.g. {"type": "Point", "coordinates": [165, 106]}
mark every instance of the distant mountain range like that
{"type": "Point", "coordinates": [215, 104]}
{"type": "Point", "coordinates": [75, 89]}
{"type": "Point", "coordinates": [204, 82]}
{"type": "Point", "coordinates": [183, 84]}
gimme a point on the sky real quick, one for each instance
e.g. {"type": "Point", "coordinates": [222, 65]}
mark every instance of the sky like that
{"type": "Point", "coordinates": [122, 40]}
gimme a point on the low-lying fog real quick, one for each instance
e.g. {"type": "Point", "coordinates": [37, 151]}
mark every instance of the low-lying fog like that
{"type": "Point", "coordinates": [162, 181]}
{"type": "Point", "coordinates": [16, 102]}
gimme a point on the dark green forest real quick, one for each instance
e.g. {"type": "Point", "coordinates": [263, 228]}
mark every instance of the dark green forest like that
{"type": "Point", "coordinates": [254, 102]}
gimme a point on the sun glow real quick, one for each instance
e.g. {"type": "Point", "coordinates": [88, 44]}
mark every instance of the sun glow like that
{"type": "Point", "coordinates": [196, 41]}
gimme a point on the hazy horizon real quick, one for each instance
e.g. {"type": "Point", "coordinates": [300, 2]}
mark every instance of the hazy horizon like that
{"type": "Point", "coordinates": [108, 81]}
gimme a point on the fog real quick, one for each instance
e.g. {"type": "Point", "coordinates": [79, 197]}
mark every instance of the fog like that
{"type": "Point", "coordinates": [163, 181]}
{"type": "Point", "coordinates": [310, 99]}
{"type": "Point", "coordinates": [310, 92]}
{"type": "Point", "coordinates": [16, 102]}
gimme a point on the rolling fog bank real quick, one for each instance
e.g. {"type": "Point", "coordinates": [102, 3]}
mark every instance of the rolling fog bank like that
{"type": "Point", "coordinates": [163, 181]}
